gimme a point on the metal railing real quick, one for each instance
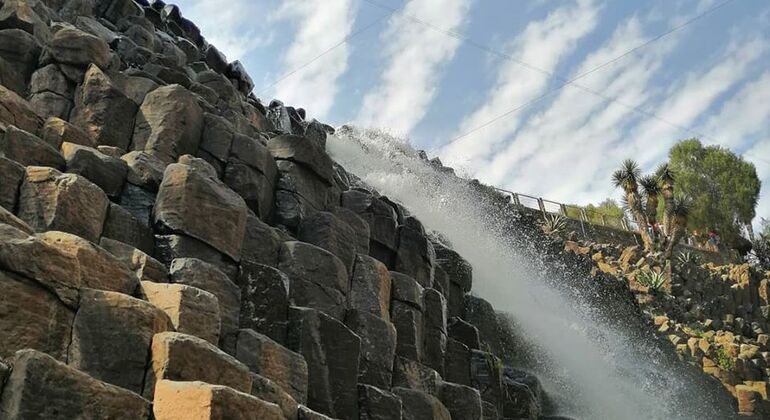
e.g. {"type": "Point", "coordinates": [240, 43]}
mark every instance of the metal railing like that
{"type": "Point", "coordinates": [568, 210]}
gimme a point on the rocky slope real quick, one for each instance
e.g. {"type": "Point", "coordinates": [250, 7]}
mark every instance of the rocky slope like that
{"type": "Point", "coordinates": [715, 316]}
{"type": "Point", "coordinates": [171, 248]}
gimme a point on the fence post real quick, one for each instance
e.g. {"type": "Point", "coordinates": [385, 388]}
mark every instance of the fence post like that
{"type": "Point", "coordinates": [516, 200]}
{"type": "Point", "coordinates": [541, 204]}
{"type": "Point", "coordinates": [583, 215]}
{"type": "Point", "coordinates": [563, 209]}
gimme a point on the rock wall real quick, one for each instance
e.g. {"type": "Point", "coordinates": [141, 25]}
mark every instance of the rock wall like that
{"type": "Point", "coordinates": [172, 248]}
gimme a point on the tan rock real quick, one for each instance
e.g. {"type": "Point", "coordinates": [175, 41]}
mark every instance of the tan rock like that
{"type": "Point", "coordinates": [201, 401]}
{"type": "Point", "coordinates": [34, 259]}
{"type": "Point", "coordinates": [16, 111]}
{"type": "Point", "coordinates": [193, 311]}
{"type": "Point", "coordinates": [98, 268]}
{"type": "Point", "coordinates": [111, 337]}
{"type": "Point", "coordinates": [39, 387]}
{"type": "Point", "coordinates": [27, 149]}
{"type": "Point", "coordinates": [182, 357]}
{"type": "Point", "coordinates": [56, 131]}
{"type": "Point", "coordinates": [267, 358]}
{"type": "Point", "coordinates": [32, 317]}
{"type": "Point", "coordinates": [192, 200]}
{"type": "Point", "coordinates": [51, 200]}
{"type": "Point", "coordinates": [145, 267]}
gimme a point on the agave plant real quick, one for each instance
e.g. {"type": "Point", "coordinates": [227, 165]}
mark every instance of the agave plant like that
{"type": "Point", "coordinates": [688, 258]}
{"type": "Point", "coordinates": [555, 224]}
{"type": "Point", "coordinates": [651, 279]}
{"type": "Point", "coordinates": [628, 178]}
{"type": "Point", "coordinates": [666, 178]}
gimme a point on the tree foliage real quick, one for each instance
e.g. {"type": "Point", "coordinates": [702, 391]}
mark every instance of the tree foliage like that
{"type": "Point", "coordinates": [723, 187]}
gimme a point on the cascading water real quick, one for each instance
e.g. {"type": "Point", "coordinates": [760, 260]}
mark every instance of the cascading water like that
{"type": "Point", "coordinates": [590, 366]}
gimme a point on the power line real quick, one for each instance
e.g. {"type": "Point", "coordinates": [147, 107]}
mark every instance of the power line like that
{"type": "Point", "coordinates": [328, 50]}
{"type": "Point", "coordinates": [564, 80]}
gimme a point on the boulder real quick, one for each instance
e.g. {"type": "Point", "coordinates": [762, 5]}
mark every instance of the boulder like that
{"type": "Point", "coordinates": [50, 200]}
{"type": "Point", "coordinates": [464, 332]}
{"type": "Point", "coordinates": [370, 288]}
{"type": "Point", "coordinates": [103, 111]}
{"type": "Point", "coordinates": [463, 402]}
{"type": "Point", "coordinates": [72, 46]}
{"type": "Point", "coordinates": [414, 375]}
{"type": "Point", "coordinates": [523, 394]}
{"type": "Point", "coordinates": [181, 357]}
{"type": "Point", "coordinates": [121, 225]}
{"type": "Point", "coordinates": [325, 230]}
{"type": "Point", "coordinates": [415, 255]}
{"type": "Point", "coordinates": [435, 329]}
{"type": "Point", "coordinates": [270, 359]}
{"type": "Point", "coordinates": [138, 201]}
{"type": "Point", "coordinates": [19, 53]}
{"type": "Point", "coordinates": [144, 266]}
{"type": "Point", "coordinates": [441, 281]}
{"type": "Point", "coordinates": [252, 172]}
{"type": "Point", "coordinates": [32, 317]}
{"type": "Point", "coordinates": [8, 218]}
{"type": "Point", "coordinates": [198, 400]}
{"type": "Point", "coordinates": [261, 243]}
{"type": "Point", "coordinates": [217, 136]}
{"type": "Point", "coordinates": [111, 337]}
{"type": "Point", "coordinates": [170, 247]}
{"type": "Point", "coordinates": [406, 313]}
{"type": "Point", "coordinates": [27, 149]}
{"type": "Point", "coordinates": [11, 175]}
{"type": "Point", "coordinates": [304, 413]}
{"type": "Point", "coordinates": [318, 279]}
{"type": "Point", "coordinates": [192, 200]}
{"type": "Point", "coordinates": [107, 172]}
{"type": "Point", "coordinates": [378, 347]}
{"type": "Point", "coordinates": [264, 300]}
{"type": "Point", "coordinates": [98, 269]}
{"type": "Point", "coordinates": [39, 387]}
{"type": "Point", "coordinates": [359, 225]}
{"type": "Point", "coordinates": [135, 87]}
{"type": "Point", "coordinates": [377, 404]}
{"type": "Point", "coordinates": [457, 363]}
{"type": "Point", "coordinates": [34, 259]}
{"type": "Point", "coordinates": [144, 169]}
{"type": "Point", "coordinates": [303, 151]}
{"type": "Point", "coordinates": [16, 111]}
{"type": "Point", "coordinates": [269, 391]}
{"type": "Point", "coordinates": [299, 193]}
{"type": "Point", "coordinates": [56, 131]}
{"type": "Point", "coordinates": [205, 276]}
{"type": "Point", "coordinates": [460, 272]}
{"type": "Point", "coordinates": [418, 405]}
{"type": "Point", "coordinates": [332, 354]}
{"type": "Point", "coordinates": [192, 311]}
{"type": "Point", "coordinates": [487, 377]}
{"type": "Point", "coordinates": [168, 123]}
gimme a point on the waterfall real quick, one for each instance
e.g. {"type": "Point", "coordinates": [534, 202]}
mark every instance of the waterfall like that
{"type": "Point", "coordinates": [589, 366]}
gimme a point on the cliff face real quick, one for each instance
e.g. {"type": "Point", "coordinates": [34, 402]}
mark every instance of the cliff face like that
{"type": "Point", "coordinates": [171, 247]}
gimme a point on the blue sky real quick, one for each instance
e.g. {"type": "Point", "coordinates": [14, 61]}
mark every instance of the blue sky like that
{"type": "Point", "coordinates": [436, 72]}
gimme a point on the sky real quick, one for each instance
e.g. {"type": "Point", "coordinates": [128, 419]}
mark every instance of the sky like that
{"type": "Point", "coordinates": [542, 97]}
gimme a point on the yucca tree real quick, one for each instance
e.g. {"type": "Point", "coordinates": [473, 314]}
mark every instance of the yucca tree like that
{"type": "Point", "coordinates": [679, 214]}
{"type": "Point", "coordinates": [666, 178]}
{"type": "Point", "coordinates": [627, 178]}
{"type": "Point", "coordinates": [651, 189]}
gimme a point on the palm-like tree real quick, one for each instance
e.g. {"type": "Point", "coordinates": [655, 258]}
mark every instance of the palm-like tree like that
{"type": "Point", "coordinates": [627, 178]}
{"type": "Point", "coordinates": [651, 189]}
{"type": "Point", "coordinates": [679, 214]}
{"type": "Point", "coordinates": [666, 177]}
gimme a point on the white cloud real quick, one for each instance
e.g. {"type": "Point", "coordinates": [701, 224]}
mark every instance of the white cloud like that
{"type": "Point", "coordinates": [744, 116]}
{"type": "Point", "coordinates": [543, 44]}
{"type": "Point", "coordinates": [321, 24]}
{"type": "Point", "coordinates": [232, 29]}
{"type": "Point", "coordinates": [564, 150]}
{"type": "Point", "coordinates": [415, 54]}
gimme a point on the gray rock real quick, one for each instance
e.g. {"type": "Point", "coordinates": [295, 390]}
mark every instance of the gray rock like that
{"type": "Point", "coordinates": [457, 363]}
{"type": "Point", "coordinates": [304, 413]}
{"type": "Point", "coordinates": [264, 300]}
{"type": "Point", "coordinates": [107, 172]}
{"type": "Point", "coordinates": [103, 111]}
{"type": "Point", "coordinates": [457, 268]}
{"type": "Point", "coordinates": [217, 136]}
{"type": "Point", "coordinates": [487, 377]}
{"type": "Point", "coordinates": [414, 375]}
{"type": "Point", "coordinates": [300, 192]}
{"type": "Point", "coordinates": [143, 265]}
{"type": "Point", "coordinates": [464, 332]}
{"type": "Point", "coordinates": [144, 169]}
{"type": "Point", "coordinates": [332, 354]}
{"type": "Point", "coordinates": [418, 405]}
{"type": "Point", "coordinates": [523, 394]}
{"type": "Point", "coordinates": [463, 402]}
{"type": "Point", "coordinates": [415, 255]}
{"type": "Point", "coordinates": [138, 201]}
{"type": "Point", "coordinates": [111, 337]}
{"type": "Point", "coordinates": [135, 88]}
{"type": "Point", "coordinates": [359, 225]}
{"type": "Point", "coordinates": [27, 149]}
{"type": "Point", "coordinates": [197, 273]}
{"type": "Point", "coordinates": [192, 200]}
{"type": "Point", "coordinates": [51, 79]}
{"type": "Point", "coordinates": [370, 289]}
{"type": "Point", "coordinates": [39, 387]}
{"type": "Point", "coordinates": [406, 289]}
{"type": "Point", "coordinates": [377, 404]}
{"type": "Point", "coordinates": [11, 175]}
{"type": "Point", "coordinates": [168, 123]}
{"type": "Point", "coordinates": [270, 359]}
{"type": "Point", "coordinates": [50, 200]}
{"type": "Point", "coordinates": [325, 230]}
{"type": "Point", "coordinates": [121, 225]}
{"type": "Point", "coordinates": [16, 111]}
{"type": "Point", "coordinates": [303, 151]}
{"type": "Point", "coordinates": [267, 390]}
{"type": "Point", "coordinates": [378, 347]}
{"type": "Point", "coordinates": [49, 104]}
{"type": "Point", "coordinates": [252, 185]}
{"type": "Point", "coordinates": [19, 53]}
{"type": "Point", "coordinates": [318, 278]}
{"type": "Point", "coordinates": [169, 247]}
{"type": "Point", "coordinates": [261, 243]}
